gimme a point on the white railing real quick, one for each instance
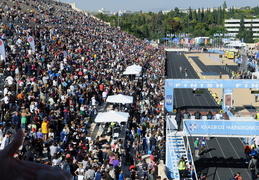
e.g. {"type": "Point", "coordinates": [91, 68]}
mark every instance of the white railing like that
{"type": "Point", "coordinates": [189, 152]}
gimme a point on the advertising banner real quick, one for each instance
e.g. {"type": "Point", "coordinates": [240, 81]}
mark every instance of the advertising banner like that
{"type": "Point", "coordinates": [2, 49]}
{"type": "Point", "coordinates": [30, 39]}
{"type": "Point", "coordinates": [212, 83]}
{"type": "Point", "coordinates": [227, 84]}
{"type": "Point", "coordinates": [169, 99]}
{"type": "Point", "coordinates": [224, 127]}
{"type": "Point", "coordinates": [227, 99]}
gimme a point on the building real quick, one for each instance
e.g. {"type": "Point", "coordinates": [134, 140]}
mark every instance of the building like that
{"type": "Point", "coordinates": [232, 26]}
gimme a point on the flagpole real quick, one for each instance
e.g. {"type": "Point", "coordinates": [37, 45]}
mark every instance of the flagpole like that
{"type": "Point", "coordinates": [119, 14]}
{"type": "Point", "coordinates": [118, 20]}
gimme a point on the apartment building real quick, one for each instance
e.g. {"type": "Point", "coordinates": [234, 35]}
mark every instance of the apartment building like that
{"type": "Point", "coordinates": [232, 26]}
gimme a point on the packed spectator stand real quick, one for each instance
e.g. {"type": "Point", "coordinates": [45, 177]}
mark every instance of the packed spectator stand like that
{"type": "Point", "coordinates": [55, 93]}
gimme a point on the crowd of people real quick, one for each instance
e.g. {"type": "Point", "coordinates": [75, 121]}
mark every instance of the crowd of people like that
{"type": "Point", "coordinates": [55, 93]}
{"type": "Point", "coordinates": [241, 75]}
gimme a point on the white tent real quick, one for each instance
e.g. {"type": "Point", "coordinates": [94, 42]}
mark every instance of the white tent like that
{"type": "Point", "coordinates": [112, 116]}
{"type": "Point", "coordinates": [133, 69]}
{"type": "Point", "coordinates": [134, 66]}
{"type": "Point", "coordinates": [256, 74]}
{"type": "Point", "coordinates": [120, 99]}
{"type": "Point", "coordinates": [236, 44]}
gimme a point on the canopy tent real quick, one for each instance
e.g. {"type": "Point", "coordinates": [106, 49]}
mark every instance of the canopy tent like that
{"type": "Point", "coordinates": [237, 44]}
{"type": "Point", "coordinates": [112, 116]}
{"type": "Point", "coordinates": [133, 69]}
{"type": "Point", "coordinates": [256, 74]}
{"type": "Point", "coordinates": [120, 99]}
{"type": "Point", "coordinates": [134, 66]}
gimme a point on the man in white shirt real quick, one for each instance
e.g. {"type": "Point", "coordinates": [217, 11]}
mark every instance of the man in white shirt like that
{"type": "Point", "coordinates": [6, 89]}
{"type": "Point", "coordinates": [218, 116]}
{"type": "Point", "coordinates": [53, 149]}
{"type": "Point", "coordinates": [9, 80]}
{"type": "Point", "coordinates": [6, 99]}
{"type": "Point", "coordinates": [5, 141]}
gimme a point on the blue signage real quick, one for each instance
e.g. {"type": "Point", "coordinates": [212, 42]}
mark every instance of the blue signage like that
{"type": "Point", "coordinates": [224, 127]}
{"type": "Point", "coordinates": [169, 100]}
{"type": "Point", "coordinates": [212, 83]}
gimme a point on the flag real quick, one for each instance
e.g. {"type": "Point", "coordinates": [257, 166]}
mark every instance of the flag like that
{"type": "Point", "coordinates": [30, 39]}
{"type": "Point", "coordinates": [2, 49]}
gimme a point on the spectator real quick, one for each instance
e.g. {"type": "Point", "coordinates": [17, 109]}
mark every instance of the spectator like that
{"type": "Point", "coordinates": [182, 168]}
{"type": "Point", "coordinates": [197, 115]}
{"type": "Point", "coordinates": [218, 116]}
{"type": "Point", "coordinates": [179, 117]}
{"type": "Point", "coordinates": [63, 84]}
{"type": "Point", "coordinates": [225, 116]}
{"type": "Point", "coordinates": [5, 141]}
{"type": "Point", "coordinates": [238, 176]}
{"type": "Point", "coordinates": [209, 115]}
{"type": "Point", "coordinates": [247, 151]}
{"type": "Point", "coordinates": [196, 147]}
{"type": "Point", "coordinates": [186, 114]}
{"type": "Point", "coordinates": [80, 172]}
{"type": "Point", "coordinates": [252, 166]}
{"type": "Point", "coordinates": [53, 150]}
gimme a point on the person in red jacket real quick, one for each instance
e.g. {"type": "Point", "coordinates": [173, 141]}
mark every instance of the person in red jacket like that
{"type": "Point", "coordinates": [238, 176]}
{"type": "Point", "coordinates": [247, 151]}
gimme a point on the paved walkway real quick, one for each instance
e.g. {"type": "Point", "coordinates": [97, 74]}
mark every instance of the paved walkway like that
{"type": "Point", "coordinates": [241, 96]}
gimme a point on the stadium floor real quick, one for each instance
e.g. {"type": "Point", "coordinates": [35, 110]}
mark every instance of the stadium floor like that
{"type": "Point", "coordinates": [184, 98]}
{"type": "Point", "coordinates": [224, 156]}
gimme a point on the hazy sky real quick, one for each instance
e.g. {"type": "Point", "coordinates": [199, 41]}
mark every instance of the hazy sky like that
{"type": "Point", "coordinates": [156, 5]}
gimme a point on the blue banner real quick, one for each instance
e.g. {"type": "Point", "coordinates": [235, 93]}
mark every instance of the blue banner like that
{"type": "Point", "coordinates": [169, 100]}
{"type": "Point", "coordinates": [224, 127]}
{"type": "Point", "coordinates": [227, 99]}
{"type": "Point", "coordinates": [212, 83]}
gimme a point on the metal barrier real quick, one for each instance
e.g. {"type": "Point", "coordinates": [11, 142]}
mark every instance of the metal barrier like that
{"type": "Point", "coordinates": [190, 158]}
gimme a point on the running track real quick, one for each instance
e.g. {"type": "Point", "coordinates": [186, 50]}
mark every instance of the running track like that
{"type": "Point", "coordinates": [224, 156]}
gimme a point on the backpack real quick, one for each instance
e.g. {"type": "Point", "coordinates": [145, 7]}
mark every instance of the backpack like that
{"type": "Point", "coordinates": [252, 165]}
{"type": "Point", "coordinates": [66, 167]}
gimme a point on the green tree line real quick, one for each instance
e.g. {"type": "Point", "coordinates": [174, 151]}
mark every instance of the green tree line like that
{"type": "Point", "coordinates": [194, 22]}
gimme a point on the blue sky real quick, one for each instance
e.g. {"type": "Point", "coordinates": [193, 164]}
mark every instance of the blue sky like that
{"type": "Point", "coordinates": [156, 5]}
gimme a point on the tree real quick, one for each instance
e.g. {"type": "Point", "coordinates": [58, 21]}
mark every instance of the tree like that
{"type": "Point", "coordinates": [242, 31]}
{"type": "Point", "coordinates": [224, 6]}
{"type": "Point", "coordinates": [198, 22]}
{"type": "Point", "coordinates": [190, 14]}
{"type": "Point", "coordinates": [174, 26]}
{"type": "Point", "coordinates": [199, 15]}
{"type": "Point", "coordinates": [249, 35]}
{"type": "Point", "coordinates": [200, 29]}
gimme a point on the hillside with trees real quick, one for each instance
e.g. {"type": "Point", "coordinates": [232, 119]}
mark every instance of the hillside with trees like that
{"type": "Point", "coordinates": [193, 22]}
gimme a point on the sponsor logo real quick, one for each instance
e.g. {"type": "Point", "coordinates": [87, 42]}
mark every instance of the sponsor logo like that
{"type": "Point", "coordinates": [169, 100]}
{"type": "Point", "coordinates": [193, 126]}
